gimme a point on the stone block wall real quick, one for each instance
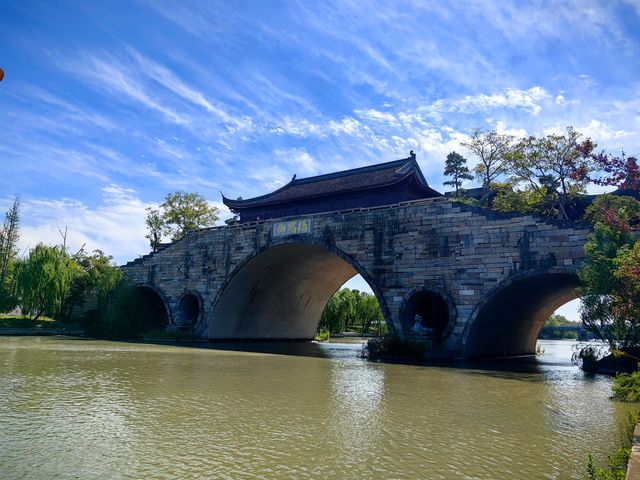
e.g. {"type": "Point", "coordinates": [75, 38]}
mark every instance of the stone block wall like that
{"type": "Point", "coordinates": [462, 253]}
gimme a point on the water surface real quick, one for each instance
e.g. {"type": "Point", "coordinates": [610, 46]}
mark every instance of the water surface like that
{"type": "Point", "coordinates": [76, 408]}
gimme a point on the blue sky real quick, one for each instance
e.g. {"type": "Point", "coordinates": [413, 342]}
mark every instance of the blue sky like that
{"type": "Point", "coordinates": [108, 106]}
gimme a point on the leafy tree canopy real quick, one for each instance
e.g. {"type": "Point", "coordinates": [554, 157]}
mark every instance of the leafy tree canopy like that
{"type": "Point", "coordinates": [9, 236]}
{"type": "Point", "coordinates": [492, 149]}
{"type": "Point", "coordinates": [557, 167]}
{"type": "Point", "coordinates": [614, 210]}
{"type": "Point", "coordinates": [180, 213]}
{"type": "Point", "coordinates": [44, 279]}
{"type": "Point", "coordinates": [610, 278]}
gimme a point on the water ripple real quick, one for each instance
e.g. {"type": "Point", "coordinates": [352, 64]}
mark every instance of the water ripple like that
{"type": "Point", "coordinates": [89, 409]}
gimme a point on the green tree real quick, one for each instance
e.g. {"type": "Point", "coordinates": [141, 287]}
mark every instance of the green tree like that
{"type": "Point", "coordinates": [339, 311]}
{"type": "Point", "coordinates": [456, 168]}
{"type": "Point", "coordinates": [556, 167]}
{"type": "Point", "coordinates": [492, 150]}
{"type": "Point", "coordinates": [352, 310]}
{"type": "Point", "coordinates": [610, 278]}
{"type": "Point", "coordinates": [370, 312]}
{"type": "Point", "coordinates": [510, 199]}
{"type": "Point", "coordinates": [9, 236]}
{"type": "Point", "coordinates": [44, 280]}
{"type": "Point", "coordinates": [156, 228]}
{"type": "Point", "coordinates": [95, 275]}
{"type": "Point", "coordinates": [179, 214]}
{"type": "Point", "coordinates": [608, 208]}
{"type": "Point", "coordinates": [557, 320]}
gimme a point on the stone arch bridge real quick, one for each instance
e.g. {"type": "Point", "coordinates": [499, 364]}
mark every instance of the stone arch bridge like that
{"type": "Point", "coordinates": [483, 282]}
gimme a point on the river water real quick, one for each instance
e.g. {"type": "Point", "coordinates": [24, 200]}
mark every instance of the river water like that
{"type": "Point", "coordinates": [78, 408]}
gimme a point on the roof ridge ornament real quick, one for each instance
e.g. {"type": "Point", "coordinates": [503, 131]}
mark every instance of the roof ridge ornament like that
{"type": "Point", "coordinates": [412, 154]}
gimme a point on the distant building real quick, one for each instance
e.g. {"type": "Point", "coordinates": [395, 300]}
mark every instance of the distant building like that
{"type": "Point", "coordinates": [371, 186]}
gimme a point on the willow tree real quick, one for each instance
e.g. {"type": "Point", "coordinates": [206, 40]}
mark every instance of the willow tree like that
{"type": "Point", "coordinates": [44, 279]}
{"type": "Point", "coordinates": [350, 310]}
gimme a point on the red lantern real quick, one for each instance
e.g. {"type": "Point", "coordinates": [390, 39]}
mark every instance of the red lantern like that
{"type": "Point", "coordinates": [1, 74]}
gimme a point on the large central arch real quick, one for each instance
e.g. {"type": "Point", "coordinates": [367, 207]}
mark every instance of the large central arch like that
{"type": "Point", "coordinates": [509, 318]}
{"type": "Point", "coordinates": [280, 293]}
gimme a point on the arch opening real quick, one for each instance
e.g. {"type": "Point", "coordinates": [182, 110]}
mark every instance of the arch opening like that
{"type": "Point", "coordinates": [150, 310]}
{"type": "Point", "coordinates": [279, 294]}
{"type": "Point", "coordinates": [508, 322]}
{"type": "Point", "coordinates": [426, 311]}
{"type": "Point", "coordinates": [187, 311]}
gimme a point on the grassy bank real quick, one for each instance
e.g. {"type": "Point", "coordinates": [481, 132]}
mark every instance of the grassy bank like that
{"type": "Point", "coordinates": [20, 321]}
{"type": "Point", "coordinates": [29, 325]}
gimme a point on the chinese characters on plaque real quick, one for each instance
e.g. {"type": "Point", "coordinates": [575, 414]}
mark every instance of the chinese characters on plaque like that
{"type": "Point", "coordinates": [292, 227]}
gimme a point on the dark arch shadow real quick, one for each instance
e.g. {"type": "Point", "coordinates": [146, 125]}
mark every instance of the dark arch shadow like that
{"type": "Point", "coordinates": [280, 293]}
{"type": "Point", "coordinates": [151, 310]}
{"type": "Point", "coordinates": [509, 318]}
{"type": "Point", "coordinates": [188, 311]}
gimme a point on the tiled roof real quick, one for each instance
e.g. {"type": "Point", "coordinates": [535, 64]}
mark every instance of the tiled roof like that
{"type": "Point", "coordinates": [372, 176]}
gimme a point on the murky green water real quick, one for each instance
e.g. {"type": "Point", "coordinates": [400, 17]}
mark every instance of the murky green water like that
{"type": "Point", "coordinates": [96, 409]}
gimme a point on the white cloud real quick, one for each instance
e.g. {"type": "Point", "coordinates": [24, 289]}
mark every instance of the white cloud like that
{"type": "Point", "coordinates": [162, 75]}
{"type": "Point", "coordinates": [377, 116]}
{"type": "Point", "coordinates": [529, 100]}
{"type": "Point", "coordinates": [600, 131]}
{"type": "Point", "coordinates": [297, 127]}
{"type": "Point", "coordinates": [114, 76]}
{"type": "Point", "coordinates": [502, 129]}
{"type": "Point", "coordinates": [299, 160]}
{"type": "Point", "coordinates": [116, 225]}
{"type": "Point", "coordinates": [347, 126]}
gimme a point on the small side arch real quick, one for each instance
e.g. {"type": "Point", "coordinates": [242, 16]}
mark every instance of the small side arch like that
{"type": "Point", "coordinates": [151, 308]}
{"type": "Point", "coordinates": [436, 309]}
{"type": "Point", "coordinates": [188, 312]}
{"type": "Point", "coordinates": [508, 319]}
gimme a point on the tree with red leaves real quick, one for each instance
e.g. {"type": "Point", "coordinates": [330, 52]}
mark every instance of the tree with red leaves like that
{"type": "Point", "coordinates": [622, 172]}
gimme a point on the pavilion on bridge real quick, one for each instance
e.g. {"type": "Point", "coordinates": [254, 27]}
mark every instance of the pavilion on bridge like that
{"type": "Point", "coordinates": [364, 187]}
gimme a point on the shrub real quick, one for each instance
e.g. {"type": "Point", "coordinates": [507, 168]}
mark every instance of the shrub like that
{"type": "Point", "coordinates": [626, 387]}
{"type": "Point", "coordinates": [322, 335]}
{"type": "Point", "coordinates": [391, 345]}
{"type": "Point", "coordinates": [616, 466]}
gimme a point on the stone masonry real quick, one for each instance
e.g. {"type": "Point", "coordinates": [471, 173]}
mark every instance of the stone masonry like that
{"type": "Point", "coordinates": [472, 258]}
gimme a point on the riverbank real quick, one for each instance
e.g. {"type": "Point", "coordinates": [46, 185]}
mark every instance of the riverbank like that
{"type": "Point", "coordinates": [15, 325]}
{"type": "Point", "coordinates": [39, 332]}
